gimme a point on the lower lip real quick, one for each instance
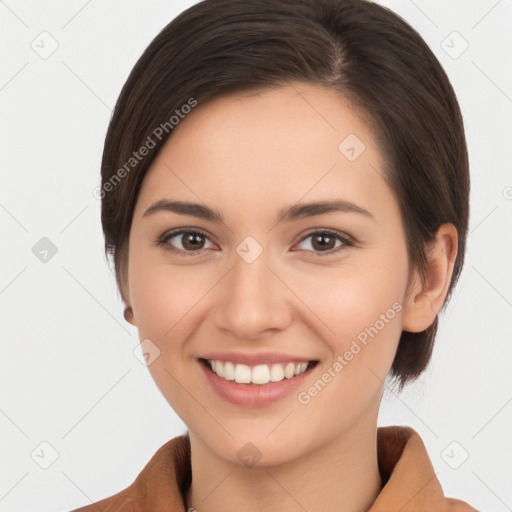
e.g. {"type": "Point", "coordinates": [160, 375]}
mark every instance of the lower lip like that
{"type": "Point", "coordinates": [254, 395]}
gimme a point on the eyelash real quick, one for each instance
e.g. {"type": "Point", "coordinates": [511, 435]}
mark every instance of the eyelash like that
{"type": "Point", "coordinates": [164, 239]}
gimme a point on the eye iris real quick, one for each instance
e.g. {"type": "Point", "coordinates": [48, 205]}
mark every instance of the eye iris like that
{"type": "Point", "coordinates": [330, 244]}
{"type": "Point", "coordinates": [192, 239]}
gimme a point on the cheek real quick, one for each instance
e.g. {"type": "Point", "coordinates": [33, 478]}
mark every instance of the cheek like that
{"type": "Point", "coordinates": [365, 314]}
{"type": "Point", "coordinates": [362, 306]}
{"type": "Point", "coordinates": [165, 297]}
{"type": "Point", "coordinates": [167, 301]}
{"type": "Point", "coordinates": [353, 297]}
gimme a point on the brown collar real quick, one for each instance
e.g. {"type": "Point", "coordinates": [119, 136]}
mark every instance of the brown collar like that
{"type": "Point", "coordinates": [410, 482]}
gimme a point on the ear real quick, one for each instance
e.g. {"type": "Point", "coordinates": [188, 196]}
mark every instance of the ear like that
{"type": "Point", "coordinates": [124, 288]}
{"type": "Point", "coordinates": [424, 303]}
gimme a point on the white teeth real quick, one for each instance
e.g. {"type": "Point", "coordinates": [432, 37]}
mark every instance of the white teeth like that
{"type": "Point", "coordinates": [242, 374]}
{"type": "Point", "coordinates": [229, 371]}
{"type": "Point", "coordinates": [289, 371]}
{"type": "Point", "coordinates": [300, 368]}
{"type": "Point", "coordinates": [276, 373]}
{"type": "Point", "coordinates": [260, 374]}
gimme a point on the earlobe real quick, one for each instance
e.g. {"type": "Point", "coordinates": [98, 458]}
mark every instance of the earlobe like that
{"type": "Point", "coordinates": [424, 302]}
{"type": "Point", "coordinates": [128, 315]}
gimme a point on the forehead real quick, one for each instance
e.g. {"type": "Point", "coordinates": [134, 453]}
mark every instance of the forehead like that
{"type": "Point", "coordinates": [271, 145]}
{"type": "Point", "coordinates": [281, 116]}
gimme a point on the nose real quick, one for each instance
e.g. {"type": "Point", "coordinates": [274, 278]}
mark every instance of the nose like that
{"type": "Point", "coordinates": [253, 302]}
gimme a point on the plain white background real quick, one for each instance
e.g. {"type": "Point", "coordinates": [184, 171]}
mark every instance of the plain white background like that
{"type": "Point", "coordinates": [68, 376]}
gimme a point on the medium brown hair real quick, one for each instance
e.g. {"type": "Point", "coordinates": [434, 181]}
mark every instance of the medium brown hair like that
{"type": "Point", "coordinates": [364, 51]}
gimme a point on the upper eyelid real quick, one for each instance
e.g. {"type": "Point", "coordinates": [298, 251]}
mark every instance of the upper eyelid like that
{"type": "Point", "coordinates": [335, 232]}
{"type": "Point", "coordinates": [181, 231]}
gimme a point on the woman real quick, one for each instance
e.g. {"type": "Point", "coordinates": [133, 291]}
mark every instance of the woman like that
{"type": "Point", "coordinates": [285, 193]}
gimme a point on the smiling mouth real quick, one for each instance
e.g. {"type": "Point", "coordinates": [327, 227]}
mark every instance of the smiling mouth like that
{"type": "Point", "coordinates": [257, 375]}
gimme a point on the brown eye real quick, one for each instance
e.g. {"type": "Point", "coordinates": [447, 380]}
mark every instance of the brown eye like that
{"type": "Point", "coordinates": [192, 241]}
{"type": "Point", "coordinates": [324, 241]}
{"type": "Point", "coordinates": [185, 241]}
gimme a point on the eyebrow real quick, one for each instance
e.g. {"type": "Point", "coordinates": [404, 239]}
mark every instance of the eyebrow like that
{"type": "Point", "coordinates": [289, 214]}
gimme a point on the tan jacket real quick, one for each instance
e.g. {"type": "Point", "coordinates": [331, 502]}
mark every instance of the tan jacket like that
{"type": "Point", "coordinates": [410, 483]}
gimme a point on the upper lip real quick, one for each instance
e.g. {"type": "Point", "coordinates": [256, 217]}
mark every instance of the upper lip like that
{"type": "Point", "coordinates": [255, 359]}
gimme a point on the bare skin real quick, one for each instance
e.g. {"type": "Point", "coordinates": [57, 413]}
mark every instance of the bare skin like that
{"type": "Point", "coordinates": [248, 156]}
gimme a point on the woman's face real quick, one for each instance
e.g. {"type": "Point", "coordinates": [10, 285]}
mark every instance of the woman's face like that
{"type": "Point", "coordinates": [273, 283]}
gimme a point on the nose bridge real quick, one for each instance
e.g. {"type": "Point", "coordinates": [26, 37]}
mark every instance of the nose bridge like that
{"type": "Point", "coordinates": [253, 300]}
{"type": "Point", "coordinates": [251, 279]}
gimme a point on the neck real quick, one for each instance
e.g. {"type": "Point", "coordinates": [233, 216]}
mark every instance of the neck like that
{"type": "Point", "coordinates": [342, 475]}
